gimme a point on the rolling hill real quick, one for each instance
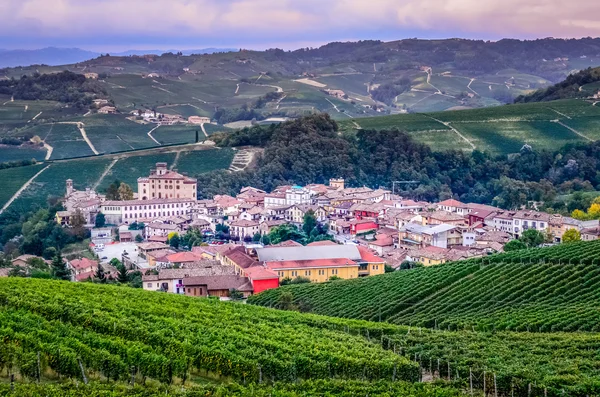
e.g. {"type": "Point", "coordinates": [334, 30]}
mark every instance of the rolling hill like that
{"type": "Point", "coordinates": [549, 289]}
{"type": "Point", "coordinates": [583, 84]}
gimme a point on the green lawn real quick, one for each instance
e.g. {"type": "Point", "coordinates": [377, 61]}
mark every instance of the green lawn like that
{"type": "Point", "coordinates": [14, 178]}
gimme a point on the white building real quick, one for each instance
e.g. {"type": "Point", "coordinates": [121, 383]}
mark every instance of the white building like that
{"type": "Point", "coordinates": [297, 195]}
{"type": "Point", "coordinates": [275, 200]}
{"type": "Point", "coordinates": [118, 212]}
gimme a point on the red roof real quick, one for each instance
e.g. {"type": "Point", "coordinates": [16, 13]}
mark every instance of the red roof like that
{"type": "Point", "coordinates": [158, 239]}
{"type": "Point", "coordinates": [385, 241]}
{"type": "Point", "coordinates": [316, 263]}
{"type": "Point", "coordinates": [451, 203]}
{"type": "Point", "coordinates": [260, 273]}
{"type": "Point", "coordinates": [181, 257]}
{"type": "Point", "coordinates": [83, 263]}
{"type": "Point", "coordinates": [367, 256]}
{"type": "Point", "coordinates": [84, 276]}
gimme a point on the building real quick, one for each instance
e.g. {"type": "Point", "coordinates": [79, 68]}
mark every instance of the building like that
{"type": "Point", "coordinates": [516, 222]}
{"type": "Point", "coordinates": [297, 195]}
{"type": "Point", "coordinates": [107, 110]}
{"type": "Point", "coordinates": [274, 200]}
{"type": "Point", "coordinates": [320, 262]}
{"type": "Point", "coordinates": [118, 212]}
{"type": "Point", "coordinates": [590, 234]}
{"type": "Point", "coordinates": [198, 120]}
{"type": "Point", "coordinates": [160, 229]}
{"type": "Point", "coordinates": [171, 280]}
{"type": "Point", "coordinates": [337, 183]}
{"type": "Point", "coordinates": [82, 269]}
{"type": "Point", "coordinates": [244, 229]}
{"type": "Point", "coordinates": [165, 183]}
{"type": "Point", "coordinates": [560, 224]}
{"type": "Point", "coordinates": [219, 286]}
{"type": "Point", "coordinates": [416, 235]}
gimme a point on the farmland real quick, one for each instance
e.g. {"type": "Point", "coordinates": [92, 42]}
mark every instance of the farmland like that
{"type": "Point", "coordinates": [551, 289]}
{"type": "Point", "coordinates": [13, 178]}
{"type": "Point", "coordinates": [200, 161]}
{"type": "Point", "coordinates": [500, 130]}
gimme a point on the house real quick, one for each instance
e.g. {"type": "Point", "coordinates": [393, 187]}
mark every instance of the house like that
{"type": "Point", "coordinates": [297, 195]}
{"type": "Point", "coordinates": [337, 183]}
{"type": "Point", "coordinates": [171, 280]}
{"type": "Point", "coordinates": [415, 235]}
{"type": "Point", "coordinates": [481, 216]}
{"type": "Point", "coordinates": [265, 227]}
{"type": "Point", "coordinates": [274, 200]}
{"type": "Point", "coordinates": [160, 259]}
{"type": "Point", "coordinates": [219, 286]}
{"type": "Point", "coordinates": [363, 226]}
{"type": "Point", "coordinates": [442, 217]}
{"type": "Point", "coordinates": [82, 269]}
{"type": "Point", "coordinates": [560, 224]}
{"type": "Point", "coordinates": [160, 229]}
{"type": "Point", "coordinates": [382, 244]}
{"type": "Point", "coordinates": [453, 206]}
{"type": "Point", "coordinates": [198, 120]}
{"type": "Point", "coordinates": [297, 212]}
{"type": "Point", "coordinates": [23, 260]}
{"type": "Point", "coordinates": [146, 248]}
{"type": "Point", "coordinates": [184, 258]}
{"type": "Point", "coordinates": [107, 110]}
{"type": "Point", "coordinates": [261, 278]}
{"type": "Point", "coordinates": [244, 229]}
{"type": "Point", "coordinates": [590, 234]}
{"type": "Point", "coordinates": [516, 222]}
{"type": "Point", "coordinates": [165, 183]}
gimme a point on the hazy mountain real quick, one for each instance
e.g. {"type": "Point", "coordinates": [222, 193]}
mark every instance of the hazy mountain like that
{"type": "Point", "coordinates": [54, 56]}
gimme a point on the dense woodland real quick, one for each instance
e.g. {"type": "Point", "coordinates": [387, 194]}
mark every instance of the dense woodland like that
{"type": "Point", "coordinates": [66, 87]}
{"type": "Point", "coordinates": [311, 150]}
{"type": "Point", "coordinates": [566, 89]}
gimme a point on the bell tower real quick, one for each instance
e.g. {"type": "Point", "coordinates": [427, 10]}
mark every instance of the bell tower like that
{"type": "Point", "coordinates": [70, 189]}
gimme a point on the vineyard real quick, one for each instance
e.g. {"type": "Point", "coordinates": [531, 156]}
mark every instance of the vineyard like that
{"type": "Point", "coordinates": [542, 290]}
{"type": "Point", "coordinates": [107, 333]}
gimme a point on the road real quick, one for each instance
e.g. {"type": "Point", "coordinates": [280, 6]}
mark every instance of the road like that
{"type": "Point", "coordinates": [81, 128]}
{"type": "Point", "coordinates": [447, 124]}
{"type": "Point", "coordinates": [150, 134]}
{"type": "Point", "coordinates": [106, 171]}
{"type": "Point", "coordinates": [338, 110]}
{"type": "Point", "coordinates": [25, 186]}
{"type": "Point", "coordinates": [203, 130]}
{"type": "Point", "coordinates": [573, 130]}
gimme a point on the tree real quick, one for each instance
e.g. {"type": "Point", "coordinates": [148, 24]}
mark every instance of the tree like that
{"type": "Point", "coordinates": [256, 238]}
{"type": "Point", "coordinates": [138, 238]}
{"type": "Point", "coordinates": [286, 301]}
{"type": "Point", "coordinates": [112, 192]}
{"type": "Point", "coordinates": [100, 276]}
{"type": "Point", "coordinates": [389, 269]}
{"type": "Point", "coordinates": [236, 295]}
{"type": "Point", "coordinates": [532, 238]}
{"type": "Point", "coordinates": [123, 276]}
{"type": "Point", "coordinates": [594, 211]}
{"type": "Point", "coordinates": [285, 233]}
{"type": "Point", "coordinates": [174, 240]}
{"type": "Point", "coordinates": [309, 222]}
{"type": "Point", "coordinates": [300, 280]}
{"type": "Point", "coordinates": [514, 245]}
{"type": "Point", "coordinates": [59, 268]}
{"type": "Point", "coordinates": [100, 220]}
{"type": "Point", "coordinates": [78, 224]}
{"type": "Point", "coordinates": [125, 192]}
{"type": "Point", "coordinates": [571, 235]}
{"type": "Point", "coordinates": [579, 215]}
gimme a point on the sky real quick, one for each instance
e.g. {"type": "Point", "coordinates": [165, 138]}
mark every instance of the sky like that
{"type": "Point", "coordinates": [117, 25]}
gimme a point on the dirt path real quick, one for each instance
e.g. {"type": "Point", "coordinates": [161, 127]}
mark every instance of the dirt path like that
{"type": "Point", "coordinates": [25, 186]}
{"type": "Point", "coordinates": [203, 130]}
{"type": "Point", "coordinates": [81, 128]}
{"type": "Point", "coordinates": [447, 124]}
{"type": "Point", "coordinates": [125, 142]}
{"type": "Point", "coordinates": [163, 89]}
{"type": "Point", "coordinates": [26, 107]}
{"type": "Point", "coordinates": [35, 117]}
{"type": "Point", "coordinates": [469, 87]}
{"type": "Point", "coordinates": [201, 100]}
{"type": "Point", "coordinates": [150, 134]}
{"type": "Point", "coordinates": [358, 127]}
{"type": "Point", "coordinates": [176, 160]}
{"type": "Point", "coordinates": [243, 157]}
{"type": "Point", "coordinates": [573, 130]}
{"type": "Point", "coordinates": [279, 100]}
{"type": "Point", "coordinates": [374, 67]}
{"type": "Point", "coordinates": [594, 104]}
{"type": "Point", "coordinates": [105, 173]}
{"type": "Point", "coordinates": [237, 89]}
{"type": "Point", "coordinates": [338, 110]}
{"type": "Point", "coordinates": [178, 104]}
{"type": "Point", "coordinates": [49, 150]}
{"type": "Point", "coordinates": [88, 113]}
{"type": "Point", "coordinates": [559, 113]}
{"type": "Point", "coordinates": [12, 99]}
{"type": "Point", "coordinates": [279, 89]}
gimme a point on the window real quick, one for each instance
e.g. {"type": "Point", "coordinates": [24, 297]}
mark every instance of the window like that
{"type": "Point", "coordinates": [294, 273]}
{"type": "Point", "coordinates": [307, 272]}
{"type": "Point", "coordinates": [149, 285]}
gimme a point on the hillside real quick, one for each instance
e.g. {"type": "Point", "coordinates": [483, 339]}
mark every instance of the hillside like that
{"type": "Point", "coordinates": [583, 84]}
{"type": "Point", "coordinates": [550, 289]}
{"type": "Point", "coordinates": [211, 348]}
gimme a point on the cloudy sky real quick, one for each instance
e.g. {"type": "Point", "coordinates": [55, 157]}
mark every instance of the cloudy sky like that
{"type": "Point", "coordinates": [113, 25]}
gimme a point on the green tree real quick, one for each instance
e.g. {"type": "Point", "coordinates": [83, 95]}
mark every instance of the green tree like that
{"type": "Point", "coordinates": [125, 192]}
{"type": "Point", "coordinates": [59, 268]}
{"type": "Point", "coordinates": [571, 235]}
{"type": "Point", "coordinates": [389, 269]}
{"type": "Point", "coordinates": [100, 220]}
{"type": "Point", "coordinates": [309, 222]}
{"type": "Point", "coordinates": [286, 232]}
{"type": "Point", "coordinates": [112, 192]}
{"type": "Point", "coordinates": [122, 276]}
{"type": "Point", "coordinates": [300, 280]}
{"type": "Point", "coordinates": [514, 245]}
{"type": "Point", "coordinates": [236, 295]}
{"type": "Point", "coordinates": [138, 238]}
{"type": "Point", "coordinates": [100, 275]}
{"type": "Point", "coordinates": [174, 240]}
{"type": "Point", "coordinates": [256, 238]}
{"type": "Point", "coordinates": [286, 301]}
{"type": "Point", "coordinates": [532, 238]}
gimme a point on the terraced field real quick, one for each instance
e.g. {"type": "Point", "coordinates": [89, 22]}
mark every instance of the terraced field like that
{"type": "Point", "coordinates": [200, 161]}
{"type": "Point", "coordinates": [500, 130]}
{"type": "Point", "coordinates": [550, 289]}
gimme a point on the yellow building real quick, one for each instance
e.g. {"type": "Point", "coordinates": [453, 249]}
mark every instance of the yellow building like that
{"type": "Point", "coordinates": [165, 183]}
{"type": "Point", "coordinates": [317, 271]}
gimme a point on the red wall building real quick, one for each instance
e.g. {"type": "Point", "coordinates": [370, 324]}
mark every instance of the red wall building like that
{"type": "Point", "coordinates": [262, 279]}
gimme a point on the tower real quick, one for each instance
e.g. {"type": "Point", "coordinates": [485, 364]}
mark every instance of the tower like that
{"type": "Point", "coordinates": [70, 189]}
{"type": "Point", "coordinates": [337, 183]}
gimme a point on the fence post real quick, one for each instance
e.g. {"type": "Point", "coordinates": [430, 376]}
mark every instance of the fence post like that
{"type": "Point", "coordinates": [39, 368]}
{"type": "Point", "coordinates": [394, 374]}
{"type": "Point", "coordinates": [82, 371]}
{"type": "Point", "coordinates": [12, 382]}
{"type": "Point", "coordinates": [484, 391]}
{"type": "Point", "coordinates": [495, 387]}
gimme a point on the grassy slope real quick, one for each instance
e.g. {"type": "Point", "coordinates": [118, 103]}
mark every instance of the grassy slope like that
{"type": "Point", "coordinates": [509, 293]}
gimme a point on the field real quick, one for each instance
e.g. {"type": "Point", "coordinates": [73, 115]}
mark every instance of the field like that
{"type": "Point", "coordinates": [17, 153]}
{"type": "Point", "coordinates": [130, 168]}
{"type": "Point", "coordinates": [13, 179]}
{"type": "Point", "coordinates": [500, 130]}
{"type": "Point", "coordinates": [551, 289]}
{"type": "Point", "coordinates": [113, 133]}
{"type": "Point", "coordinates": [198, 162]}
{"type": "Point", "coordinates": [51, 183]}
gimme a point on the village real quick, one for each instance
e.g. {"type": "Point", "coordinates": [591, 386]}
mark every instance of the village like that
{"type": "Point", "coordinates": [366, 232]}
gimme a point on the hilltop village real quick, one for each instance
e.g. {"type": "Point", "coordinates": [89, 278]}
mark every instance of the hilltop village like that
{"type": "Point", "coordinates": [259, 240]}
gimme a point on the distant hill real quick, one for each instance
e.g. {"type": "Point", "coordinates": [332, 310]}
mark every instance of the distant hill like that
{"type": "Point", "coordinates": [53, 56]}
{"type": "Point", "coordinates": [578, 85]}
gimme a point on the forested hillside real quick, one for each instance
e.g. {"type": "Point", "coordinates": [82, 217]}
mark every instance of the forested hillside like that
{"type": "Point", "coordinates": [574, 86]}
{"type": "Point", "coordinates": [311, 150]}
{"type": "Point", "coordinates": [548, 289]}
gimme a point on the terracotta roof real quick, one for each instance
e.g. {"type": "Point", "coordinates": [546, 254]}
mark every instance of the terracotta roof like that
{"type": "Point", "coordinates": [84, 276]}
{"type": "Point", "coordinates": [83, 263]}
{"type": "Point", "coordinates": [287, 243]}
{"type": "Point", "coordinates": [152, 246]}
{"type": "Point", "coordinates": [451, 203]}
{"type": "Point", "coordinates": [171, 274]}
{"type": "Point", "coordinates": [260, 273]}
{"type": "Point", "coordinates": [382, 242]}
{"type": "Point", "coordinates": [240, 258]}
{"type": "Point", "coordinates": [244, 223]}
{"type": "Point", "coordinates": [174, 176]}
{"type": "Point", "coordinates": [158, 239]}
{"type": "Point", "coordinates": [324, 242]}
{"type": "Point", "coordinates": [221, 282]}
{"type": "Point", "coordinates": [181, 257]}
{"type": "Point", "coordinates": [367, 256]}
{"type": "Point", "coordinates": [162, 226]}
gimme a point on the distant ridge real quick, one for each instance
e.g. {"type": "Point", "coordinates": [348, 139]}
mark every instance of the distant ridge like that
{"type": "Point", "coordinates": [54, 56]}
